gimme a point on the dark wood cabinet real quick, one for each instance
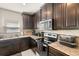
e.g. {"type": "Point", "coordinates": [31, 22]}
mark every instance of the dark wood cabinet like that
{"type": "Point", "coordinates": [55, 52]}
{"type": "Point", "coordinates": [50, 11]}
{"type": "Point", "coordinates": [38, 16]}
{"type": "Point", "coordinates": [71, 16]}
{"type": "Point", "coordinates": [44, 12]}
{"type": "Point", "coordinates": [59, 15]}
{"type": "Point", "coordinates": [30, 22]}
{"type": "Point", "coordinates": [35, 21]}
{"type": "Point", "coordinates": [24, 43]}
{"type": "Point", "coordinates": [77, 16]}
{"type": "Point", "coordinates": [24, 21]}
{"type": "Point", "coordinates": [27, 21]}
{"type": "Point", "coordinates": [16, 45]}
{"type": "Point", "coordinates": [47, 11]}
{"type": "Point", "coordinates": [66, 16]}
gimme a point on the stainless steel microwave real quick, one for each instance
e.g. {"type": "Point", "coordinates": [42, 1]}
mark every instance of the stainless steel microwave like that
{"type": "Point", "coordinates": [46, 24]}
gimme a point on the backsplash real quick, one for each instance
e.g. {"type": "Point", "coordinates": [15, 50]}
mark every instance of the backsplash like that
{"type": "Point", "coordinates": [27, 32]}
{"type": "Point", "coordinates": [66, 32]}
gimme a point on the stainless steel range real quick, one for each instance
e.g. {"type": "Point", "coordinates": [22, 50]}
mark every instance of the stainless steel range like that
{"type": "Point", "coordinates": [48, 39]}
{"type": "Point", "coordinates": [42, 44]}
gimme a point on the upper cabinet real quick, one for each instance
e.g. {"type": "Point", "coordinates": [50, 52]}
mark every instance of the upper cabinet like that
{"type": "Point", "coordinates": [71, 16]}
{"type": "Point", "coordinates": [27, 21]}
{"type": "Point", "coordinates": [35, 21]}
{"type": "Point", "coordinates": [59, 16]}
{"type": "Point", "coordinates": [77, 16]}
{"type": "Point", "coordinates": [47, 11]}
{"type": "Point", "coordinates": [43, 12]}
{"type": "Point", "coordinates": [38, 16]}
{"type": "Point", "coordinates": [65, 15]}
{"type": "Point", "coordinates": [50, 11]}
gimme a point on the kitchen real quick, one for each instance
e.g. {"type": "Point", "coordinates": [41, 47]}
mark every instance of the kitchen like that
{"type": "Point", "coordinates": [44, 29]}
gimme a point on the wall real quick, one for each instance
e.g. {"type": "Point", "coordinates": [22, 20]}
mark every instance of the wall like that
{"type": "Point", "coordinates": [10, 16]}
{"type": "Point", "coordinates": [1, 29]}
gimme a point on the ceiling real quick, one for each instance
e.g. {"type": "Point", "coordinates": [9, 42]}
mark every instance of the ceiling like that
{"type": "Point", "coordinates": [22, 7]}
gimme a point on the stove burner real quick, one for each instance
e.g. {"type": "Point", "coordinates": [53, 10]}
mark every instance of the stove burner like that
{"type": "Point", "coordinates": [47, 42]}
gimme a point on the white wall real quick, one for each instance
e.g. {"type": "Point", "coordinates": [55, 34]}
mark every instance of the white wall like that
{"type": "Point", "coordinates": [1, 22]}
{"type": "Point", "coordinates": [9, 16]}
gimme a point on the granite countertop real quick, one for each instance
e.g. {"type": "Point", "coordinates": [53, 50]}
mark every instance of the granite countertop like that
{"type": "Point", "coordinates": [35, 37]}
{"type": "Point", "coordinates": [65, 49]}
{"type": "Point", "coordinates": [32, 36]}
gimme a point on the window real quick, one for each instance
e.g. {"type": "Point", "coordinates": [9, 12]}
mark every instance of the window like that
{"type": "Point", "coordinates": [12, 27]}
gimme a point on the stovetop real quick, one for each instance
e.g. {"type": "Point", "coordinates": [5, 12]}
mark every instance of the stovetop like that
{"type": "Point", "coordinates": [47, 42]}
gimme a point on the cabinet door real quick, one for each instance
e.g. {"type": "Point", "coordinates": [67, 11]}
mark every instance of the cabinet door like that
{"type": "Point", "coordinates": [44, 12]}
{"type": "Point", "coordinates": [39, 16]}
{"type": "Point", "coordinates": [50, 11]}
{"type": "Point", "coordinates": [35, 21]}
{"type": "Point", "coordinates": [33, 42]}
{"type": "Point", "coordinates": [25, 21]}
{"type": "Point", "coordinates": [59, 16]}
{"type": "Point", "coordinates": [9, 47]}
{"type": "Point", "coordinates": [24, 43]}
{"type": "Point", "coordinates": [30, 22]}
{"type": "Point", "coordinates": [77, 11]}
{"type": "Point", "coordinates": [70, 16]}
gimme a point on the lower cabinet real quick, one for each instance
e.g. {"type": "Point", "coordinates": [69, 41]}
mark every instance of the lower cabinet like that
{"type": "Point", "coordinates": [55, 52]}
{"type": "Point", "coordinates": [32, 43]}
{"type": "Point", "coordinates": [13, 46]}
{"type": "Point", "coordinates": [9, 47]}
{"type": "Point", "coordinates": [24, 44]}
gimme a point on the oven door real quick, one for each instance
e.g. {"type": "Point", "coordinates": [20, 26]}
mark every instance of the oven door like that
{"type": "Point", "coordinates": [41, 48]}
